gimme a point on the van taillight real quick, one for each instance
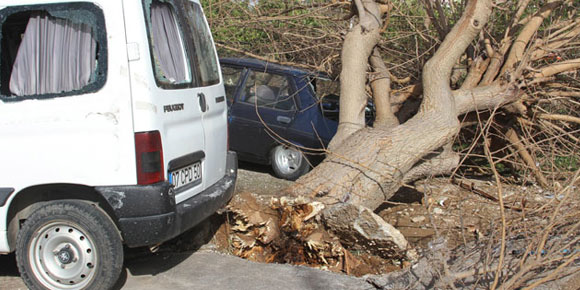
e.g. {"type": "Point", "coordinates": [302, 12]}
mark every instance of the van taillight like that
{"type": "Point", "coordinates": [149, 154]}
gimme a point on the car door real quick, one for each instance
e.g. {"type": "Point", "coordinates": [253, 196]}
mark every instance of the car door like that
{"type": "Point", "coordinates": [261, 114]}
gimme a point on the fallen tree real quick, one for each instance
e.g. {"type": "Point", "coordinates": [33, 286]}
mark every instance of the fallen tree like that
{"type": "Point", "coordinates": [331, 209]}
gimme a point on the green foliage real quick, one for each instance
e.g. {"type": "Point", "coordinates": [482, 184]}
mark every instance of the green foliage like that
{"type": "Point", "coordinates": [567, 163]}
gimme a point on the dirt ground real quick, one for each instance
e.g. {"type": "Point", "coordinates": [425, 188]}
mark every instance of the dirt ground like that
{"type": "Point", "coordinates": [461, 211]}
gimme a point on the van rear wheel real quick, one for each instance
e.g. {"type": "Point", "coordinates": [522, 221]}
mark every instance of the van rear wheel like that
{"type": "Point", "coordinates": [69, 245]}
{"type": "Point", "coordinates": [288, 163]}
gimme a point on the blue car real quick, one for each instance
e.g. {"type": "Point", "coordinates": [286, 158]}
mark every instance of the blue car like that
{"type": "Point", "coordinates": [279, 114]}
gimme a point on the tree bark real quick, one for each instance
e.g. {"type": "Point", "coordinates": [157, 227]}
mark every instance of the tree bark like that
{"type": "Point", "coordinates": [381, 87]}
{"type": "Point", "coordinates": [369, 176]}
{"type": "Point", "coordinates": [358, 45]}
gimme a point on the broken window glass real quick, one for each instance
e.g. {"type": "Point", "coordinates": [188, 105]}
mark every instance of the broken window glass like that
{"type": "Point", "coordinates": [203, 46]}
{"type": "Point", "coordinates": [49, 50]}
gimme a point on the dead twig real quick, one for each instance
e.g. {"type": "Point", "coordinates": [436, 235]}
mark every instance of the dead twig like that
{"type": "Point", "coordinates": [471, 187]}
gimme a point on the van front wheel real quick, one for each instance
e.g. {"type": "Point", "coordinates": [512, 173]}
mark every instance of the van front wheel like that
{"type": "Point", "coordinates": [69, 245]}
{"type": "Point", "coordinates": [288, 163]}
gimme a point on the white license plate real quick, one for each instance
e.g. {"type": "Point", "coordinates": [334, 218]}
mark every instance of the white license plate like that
{"type": "Point", "coordinates": [185, 175]}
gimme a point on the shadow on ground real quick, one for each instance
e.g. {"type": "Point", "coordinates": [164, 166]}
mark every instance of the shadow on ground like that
{"type": "Point", "coordinates": [185, 244]}
{"type": "Point", "coordinates": [9, 267]}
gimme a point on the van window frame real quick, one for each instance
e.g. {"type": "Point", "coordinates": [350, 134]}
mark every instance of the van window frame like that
{"type": "Point", "coordinates": [99, 32]}
{"type": "Point", "coordinates": [180, 10]}
{"type": "Point", "coordinates": [185, 40]}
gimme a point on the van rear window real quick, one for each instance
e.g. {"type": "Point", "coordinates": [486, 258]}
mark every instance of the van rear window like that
{"type": "Point", "coordinates": [51, 50]}
{"type": "Point", "coordinates": [182, 51]}
{"type": "Point", "coordinates": [169, 56]}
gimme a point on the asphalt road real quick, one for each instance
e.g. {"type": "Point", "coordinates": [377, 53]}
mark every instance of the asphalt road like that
{"type": "Point", "coordinates": [207, 270]}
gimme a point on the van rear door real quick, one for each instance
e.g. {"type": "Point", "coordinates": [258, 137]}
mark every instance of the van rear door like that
{"type": "Point", "coordinates": [212, 92]}
{"type": "Point", "coordinates": [171, 95]}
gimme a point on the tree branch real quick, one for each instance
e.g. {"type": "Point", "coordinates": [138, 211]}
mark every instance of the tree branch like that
{"type": "Point", "coordinates": [358, 46]}
{"type": "Point", "coordinates": [437, 94]}
{"type": "Point", "coordinates": [557, 68]}
{"type": "Point", "coordinates": [437, 165]}
{"type": "Point", "coordinates": [518, 48]}
{"type": "Point", "coordinates": [381, 86]}
{"type": "Point", "coordinates": [514, 139]}
{"type": "Point", "coordinates": [557, 117]}
{"type": "Point", "coordinates": [484, 97]}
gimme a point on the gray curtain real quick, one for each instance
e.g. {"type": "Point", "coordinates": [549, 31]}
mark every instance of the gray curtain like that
{"type": "Point", "coordinates": [167, 44]}
{"type": "Point", "coordinates": [56, 55]}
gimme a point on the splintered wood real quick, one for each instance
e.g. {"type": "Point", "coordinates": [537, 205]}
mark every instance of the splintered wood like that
{"type": "Point", "coordinates": [291, 230]}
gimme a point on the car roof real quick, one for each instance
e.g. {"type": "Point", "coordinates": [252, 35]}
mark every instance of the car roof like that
{"type": "Point", "coordinates": [261, 65]}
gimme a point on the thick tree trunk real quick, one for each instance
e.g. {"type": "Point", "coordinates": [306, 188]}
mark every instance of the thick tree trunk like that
{"type": "Point", "coordinates": [370, 165]}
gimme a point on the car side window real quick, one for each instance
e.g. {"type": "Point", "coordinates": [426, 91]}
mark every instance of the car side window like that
{"type": "Point", "coordinates": [269, 91]}
{"type": "Point", "coordinates": [51, 50]}
{"type": "Point", "coordinates": [170, 62]}
{"type": "Point", "coordinates": [231, 77]}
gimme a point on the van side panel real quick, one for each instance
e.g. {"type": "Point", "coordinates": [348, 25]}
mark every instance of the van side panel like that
{"type": "Point", "coordinates": [4, 247]}
{"type": "Point", "coordinates": [44, 139]}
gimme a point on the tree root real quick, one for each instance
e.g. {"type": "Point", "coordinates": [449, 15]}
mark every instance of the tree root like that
{"type": "Point", "coordinates": [300, 231]}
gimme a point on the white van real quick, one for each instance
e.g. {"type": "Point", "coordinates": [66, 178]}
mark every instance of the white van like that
{"type": "Point", "coordinates": [113, 131]}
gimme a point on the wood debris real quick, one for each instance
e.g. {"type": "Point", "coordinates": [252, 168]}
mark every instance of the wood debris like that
{"type": "Point", "coordinates": [291, 230]}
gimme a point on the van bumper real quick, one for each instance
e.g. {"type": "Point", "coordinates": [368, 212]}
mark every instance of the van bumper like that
{"type": "Point", "coordinates": [148, 215]}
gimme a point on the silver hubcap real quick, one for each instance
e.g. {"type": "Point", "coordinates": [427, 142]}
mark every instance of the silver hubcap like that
{"type": "Point", "coordinates": [288, 159]}
{"type": "Point", "coordinates": [62, 256]}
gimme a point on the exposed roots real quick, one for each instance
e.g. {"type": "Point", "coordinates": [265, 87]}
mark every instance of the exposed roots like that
{"type": "Point", "coordinates": [293, 231]}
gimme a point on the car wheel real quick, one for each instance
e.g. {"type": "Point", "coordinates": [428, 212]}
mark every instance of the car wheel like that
{"type": "Point", "coordinates": [69, 245]}
{"type": "Point", "coordinates": [288, 162]}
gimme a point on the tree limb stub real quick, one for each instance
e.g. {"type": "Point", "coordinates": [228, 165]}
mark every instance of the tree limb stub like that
{"type": "Point", "coordinates": [359, 227]}
{"type": "Point", "coordinates": [484, 97]}
{"type": "Point", "coordinates": [476, 71]}
{"type": "Point", "coordinates": [437, 165]}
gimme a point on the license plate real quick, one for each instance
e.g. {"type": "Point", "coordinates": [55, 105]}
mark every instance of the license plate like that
{"type": "Point", "coordinates": [185, 175]}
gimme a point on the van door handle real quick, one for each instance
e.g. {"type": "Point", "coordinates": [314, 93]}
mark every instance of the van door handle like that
{"type": "Point", "coordinates": [202, 102]}
{"type": "Point", "coordinates": [283, 119]}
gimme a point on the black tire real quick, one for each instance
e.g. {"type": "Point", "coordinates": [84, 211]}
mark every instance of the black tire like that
{"type": "Point", "coordinates": [288, 162]}
{"type": "Point", "coordinates": [69, 245]}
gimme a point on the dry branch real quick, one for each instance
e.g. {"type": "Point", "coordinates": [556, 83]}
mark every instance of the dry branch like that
{"type": "Point", "coordinates": [557, 68]}
{"type": "Point", "coordinates": [514, 139]}
{"type": "Point", "coordinates": [558, 117]}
